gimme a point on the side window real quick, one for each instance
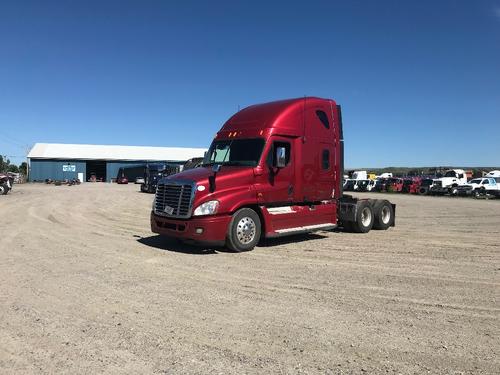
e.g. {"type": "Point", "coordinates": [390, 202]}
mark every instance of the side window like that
{"type": "Point", "coordinates": [322, 116]}
{"type": "Point", "coordinates": [271, 156]}
{"type": "Point", "coordinates": [326, 159]}
{"type": "Point", "coordinates": [460, 175]}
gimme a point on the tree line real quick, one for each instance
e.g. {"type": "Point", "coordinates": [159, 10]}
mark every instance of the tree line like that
{"type": "Point", "coordinates": [6, 166]}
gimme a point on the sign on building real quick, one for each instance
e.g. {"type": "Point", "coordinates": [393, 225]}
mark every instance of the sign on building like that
{"type": "Point", "coordinates": [69, 168]}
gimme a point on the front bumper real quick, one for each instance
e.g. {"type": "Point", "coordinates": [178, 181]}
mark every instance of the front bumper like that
{"type": "Point", "coordinates": [439, 190]}
{"type": "Point", "coordinates": [213, 228]}
{"type": "Point", "coordinates": [464, 192]}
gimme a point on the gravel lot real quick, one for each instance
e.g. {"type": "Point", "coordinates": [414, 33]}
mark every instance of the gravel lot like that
{"type": "Point", "coordinates": [85, 287]}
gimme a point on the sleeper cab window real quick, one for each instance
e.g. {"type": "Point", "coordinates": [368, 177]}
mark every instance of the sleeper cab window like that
{"type": "Point", "coordinates": [322, 116]}
{"type": "Point", "coordinates": [326, 159]}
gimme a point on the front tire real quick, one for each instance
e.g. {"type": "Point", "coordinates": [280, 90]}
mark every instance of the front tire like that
{"type": "Point", "coordinates": [4, 189]}
{"type": "Point", "coordinates": [244, 230]}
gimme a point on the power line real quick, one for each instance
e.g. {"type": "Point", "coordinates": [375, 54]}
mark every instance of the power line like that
{"type": "Point", "coordinates": [12, 139]}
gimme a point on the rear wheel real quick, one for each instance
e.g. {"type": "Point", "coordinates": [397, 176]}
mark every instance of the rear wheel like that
{"type": "Point", "coordinates": [384, 214]}
{"type": "Point", "coordinates": [4, 189]}
{"type": "Point", "coordinates": [364, 218]}
{"type": "Point", "coordinates": [244, 230]}
{"type": "Point", "coordinates": [423, 190]}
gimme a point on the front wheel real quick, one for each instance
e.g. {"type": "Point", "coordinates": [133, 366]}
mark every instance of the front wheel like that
{"type": "Point", "coordinates": [4, 189]}
{"type": "Point", "coordinates": [244, 230]}
{"type": "Point", "coordinates": [478, 193]}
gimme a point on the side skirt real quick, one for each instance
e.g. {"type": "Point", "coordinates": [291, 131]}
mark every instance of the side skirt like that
{"type": "Point", "coordinates": [300, 230]}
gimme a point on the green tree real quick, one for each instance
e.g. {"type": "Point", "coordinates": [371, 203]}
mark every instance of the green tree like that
{"type": "Point", "coordinates": [23, 168]}
{"type": "Point", "coordinates": [13, 168]}
{"type": "Point", "coordinates": [4, 163]}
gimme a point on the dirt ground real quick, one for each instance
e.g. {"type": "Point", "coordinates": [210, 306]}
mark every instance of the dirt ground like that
{"type": "Point", "coordinates": [85, 287]}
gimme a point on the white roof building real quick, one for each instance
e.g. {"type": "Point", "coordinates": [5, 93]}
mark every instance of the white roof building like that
{"type": "Point", "coordinates": [112, 152]}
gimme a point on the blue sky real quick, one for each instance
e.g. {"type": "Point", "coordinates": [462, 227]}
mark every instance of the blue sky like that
{"type": "Point", "coordinates": [419, 81]}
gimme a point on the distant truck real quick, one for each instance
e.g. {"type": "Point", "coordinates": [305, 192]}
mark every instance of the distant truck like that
{"type": "Point", "coordinates": [359, 181]}
{"type": "Point", "coordinates": [273, 169]}
{"type": "Point", "coordinates": [6, 183]}
{"type": "Point", "coordinates": [385, 175]}
{"type": "Point", "coordinates": [449, 183]}
{"type": "Point", "coordinates": [155, 172]}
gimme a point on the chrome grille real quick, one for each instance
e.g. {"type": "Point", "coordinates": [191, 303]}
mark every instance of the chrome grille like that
{"type": "Point", "coordinates": [174, 199]}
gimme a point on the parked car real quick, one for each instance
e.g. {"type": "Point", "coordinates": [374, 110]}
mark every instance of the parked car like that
{"type": "Point", "coordinates": [478, 186]}
{"type": "Point", "coordinates": [122, 180]}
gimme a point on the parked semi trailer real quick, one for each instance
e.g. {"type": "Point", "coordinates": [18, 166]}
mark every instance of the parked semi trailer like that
{"type": "Point", "coordinates": [272, 170]}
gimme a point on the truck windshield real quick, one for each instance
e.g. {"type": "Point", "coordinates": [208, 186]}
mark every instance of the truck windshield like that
{"type": "Point", "coordinates": [237, 152]}
{"type": "Point", "coordinates": [450, 174]}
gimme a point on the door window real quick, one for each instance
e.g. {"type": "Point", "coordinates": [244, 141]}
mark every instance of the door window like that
{"type": "Point", "coordinates": [271, 155]}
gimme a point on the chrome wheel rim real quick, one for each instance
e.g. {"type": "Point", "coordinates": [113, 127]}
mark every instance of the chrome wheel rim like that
{"type": "Point", "coordinates": [366, 216]}
{"type": "Point", "coordinates": [245, 230]}
{"type": "Point", "coordinates": [386, 214]}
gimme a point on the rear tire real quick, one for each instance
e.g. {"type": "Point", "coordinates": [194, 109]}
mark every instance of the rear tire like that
{"type": "Point", "coordinates": [244, 230]}
{"type": "Point", "coordinates": [364, 218]}
{"type": "Point", "coordinates": [4, 189]}
{"type": "Point", "coordinates": [423, 190]}
{"type": "Point", "coordinates": [384, 215]}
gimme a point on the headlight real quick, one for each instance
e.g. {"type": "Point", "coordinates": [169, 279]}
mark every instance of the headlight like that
{"type": "Point", "coordinates": [207, 208]}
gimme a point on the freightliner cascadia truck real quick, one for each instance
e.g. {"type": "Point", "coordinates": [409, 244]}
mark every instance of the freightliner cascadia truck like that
{"type": "Point", "coordinates": [273, 169]}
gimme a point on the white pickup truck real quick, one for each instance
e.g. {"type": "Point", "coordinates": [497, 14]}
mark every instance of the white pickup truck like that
{"type": "Point", "coordinates": [479, 186]}
{"type": "Point", "coordinates": [449, 183]}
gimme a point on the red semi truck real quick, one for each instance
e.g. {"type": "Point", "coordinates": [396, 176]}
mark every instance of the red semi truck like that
{"type": "Point", "coordinates": [274, 169]}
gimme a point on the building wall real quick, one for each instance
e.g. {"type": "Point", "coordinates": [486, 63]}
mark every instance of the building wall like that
{"type": "Point", "coordinates": [40, 170]}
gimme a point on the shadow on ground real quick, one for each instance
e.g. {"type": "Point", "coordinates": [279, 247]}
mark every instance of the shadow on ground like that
{"type": "Point", "coordinates": [170, 244]}
{"type": "Point", "coordinates": [271, 242]}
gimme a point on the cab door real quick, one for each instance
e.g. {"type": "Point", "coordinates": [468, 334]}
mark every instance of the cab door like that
{"type": "Point", "coordinates": [276, 184]}
{"type": "Point", "coordinates": [326, 174]}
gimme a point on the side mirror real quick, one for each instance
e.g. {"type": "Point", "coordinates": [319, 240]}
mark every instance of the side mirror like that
{"type": "Point", "coordinates": [280, 157]}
